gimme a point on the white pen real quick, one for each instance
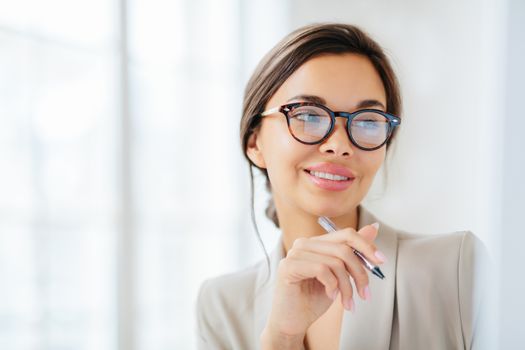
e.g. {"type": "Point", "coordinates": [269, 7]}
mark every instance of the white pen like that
{"type": "Point", "coordinates": [329, 226]}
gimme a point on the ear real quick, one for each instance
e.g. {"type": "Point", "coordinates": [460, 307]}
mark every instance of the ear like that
{"type": "Point", "coordinates": [254, 152]}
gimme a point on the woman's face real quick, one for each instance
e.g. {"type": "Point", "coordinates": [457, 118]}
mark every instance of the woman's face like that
{"type": "Point", "coordinates": [345, 82]}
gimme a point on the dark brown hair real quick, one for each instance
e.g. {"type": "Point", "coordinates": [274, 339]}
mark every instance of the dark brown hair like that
{"type": "Point", "coordinates": [287, 56]}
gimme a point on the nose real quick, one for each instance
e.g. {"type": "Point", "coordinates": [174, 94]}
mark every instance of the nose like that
{"type": "Point", "coordinates": [338, 142]}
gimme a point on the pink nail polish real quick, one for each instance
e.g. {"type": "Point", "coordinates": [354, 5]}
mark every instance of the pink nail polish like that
{"type": "Point", "coordinates": [366, 291]}
{"type": "Point", "coordinates": [380, 256]}
{"type": "Point", "coordinates": [349, 304]}
{"type": "Point", "coordinates": [376, 225]}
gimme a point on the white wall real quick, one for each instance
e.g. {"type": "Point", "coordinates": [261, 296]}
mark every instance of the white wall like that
{"type": "Point", "coordinates": [512, 288]}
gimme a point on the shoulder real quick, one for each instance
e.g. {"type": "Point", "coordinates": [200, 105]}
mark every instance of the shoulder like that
{"type": "Point", "coordinates": [451, 257]}
{"type": "Point", "coordinates": [458, 249]}
{"type": "Point", "coordinates": [225, 306]}
{"type": "Point", "coordinates": [453, 238]}
{"type": "Point", "coordinates": [217, 291]}
{"type": "Point", "coordinates": [452, 267]}
{"type": "Point", "coordinates": [431, 261]}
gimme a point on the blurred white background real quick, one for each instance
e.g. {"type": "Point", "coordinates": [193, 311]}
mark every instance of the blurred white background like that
{"type": "Point", "coordinates": [122, 182]}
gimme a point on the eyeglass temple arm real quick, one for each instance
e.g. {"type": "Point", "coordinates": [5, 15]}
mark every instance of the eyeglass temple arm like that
{"type": "Point", "coordinates": [270, 111]}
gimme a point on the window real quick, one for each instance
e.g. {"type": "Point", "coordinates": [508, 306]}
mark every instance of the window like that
{"type": "Point", "coordinates": [114, 145]}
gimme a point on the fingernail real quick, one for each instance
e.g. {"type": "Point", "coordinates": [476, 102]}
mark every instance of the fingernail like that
{"type": "Point", "coordinates": [376, 225]}
{"type": "Point", "coordinates": [334, 294]}
{"type": "Point", "coordinates": [380, 256]}
{"type": "Point", "coordinates": [349, 304]}
{"type": "Point", "coordinates": [366, 291]}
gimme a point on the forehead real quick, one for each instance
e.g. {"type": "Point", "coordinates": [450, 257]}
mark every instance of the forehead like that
{"type": "Point", "coordinates": [343, 80]}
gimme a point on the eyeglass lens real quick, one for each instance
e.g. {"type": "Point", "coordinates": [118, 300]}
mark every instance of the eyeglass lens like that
{"type": "Point", "coordinates": [311, 124]}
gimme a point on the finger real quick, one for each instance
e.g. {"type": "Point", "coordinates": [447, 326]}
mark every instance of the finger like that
{"type": "Point", "coordinates": [369, 232]}
{"type": "Point", "coordinates": [293, 271]}
{"type": "Point", "coordinates": [341, 251]}
{"type": "Point", "coordinates": [336, 265]}
{"type": "Point", "coordinates": [356, 241]}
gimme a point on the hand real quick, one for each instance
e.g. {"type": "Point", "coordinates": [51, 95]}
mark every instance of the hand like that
{"type": "Point", "coordinates": [315, 271]}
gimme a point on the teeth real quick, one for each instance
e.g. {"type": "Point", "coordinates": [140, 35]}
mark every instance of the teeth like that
{"type": "Point", "coordinates": [328, 176]}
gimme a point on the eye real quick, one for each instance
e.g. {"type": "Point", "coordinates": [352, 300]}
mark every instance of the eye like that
{"type": "Point", "coordinates": [308, 114]}
{"type": "Point", "coordinates": [308, 117]}
{"type": "Point", "coordinates": [369, 120]}
{"type": "Point", "coordinates": [368, 124]}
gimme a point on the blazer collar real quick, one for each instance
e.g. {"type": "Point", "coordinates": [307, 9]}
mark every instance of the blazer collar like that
{"type": "Point", "coordinates": [373, 318]}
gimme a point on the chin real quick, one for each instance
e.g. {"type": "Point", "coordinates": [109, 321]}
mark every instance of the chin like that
{"type": "Point", "coordinates": [330, 207]}
{"type": "Point", "coordinates": [330, 211]}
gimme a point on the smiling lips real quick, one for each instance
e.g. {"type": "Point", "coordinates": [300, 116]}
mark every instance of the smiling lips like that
{"type": "Point", "coordinates": [330, 176]}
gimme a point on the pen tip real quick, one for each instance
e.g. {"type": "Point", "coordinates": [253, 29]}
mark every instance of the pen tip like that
{"type": "Point", "coordinates": [376, 271]}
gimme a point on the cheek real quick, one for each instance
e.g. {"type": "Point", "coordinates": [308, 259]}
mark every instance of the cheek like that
{"type": "Point", "coordinates": [276, 151]}
{"type": "Point", "coordinates": [372, 162]}
{"type": "Point", "coordinates": [284, 157]}
{"type": "Point", "coordinates": [285, 164]}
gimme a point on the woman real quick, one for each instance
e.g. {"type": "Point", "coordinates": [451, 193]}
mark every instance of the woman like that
{"type": "Point", "coordinates": [320, 112]}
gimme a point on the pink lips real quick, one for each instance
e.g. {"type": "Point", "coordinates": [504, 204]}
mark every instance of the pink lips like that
{"type": "Point", "coordinates": [331, 168]}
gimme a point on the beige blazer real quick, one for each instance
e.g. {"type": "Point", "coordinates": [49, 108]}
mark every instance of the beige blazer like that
{"type": "Point", "coordinates": [430, 298]}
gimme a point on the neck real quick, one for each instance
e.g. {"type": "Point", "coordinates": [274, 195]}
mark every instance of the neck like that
{"type": "Point", "coordinates": [301, 224]}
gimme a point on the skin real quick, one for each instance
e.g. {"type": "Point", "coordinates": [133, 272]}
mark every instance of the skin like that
{"type": "Point", "coordinates": [317, 266]}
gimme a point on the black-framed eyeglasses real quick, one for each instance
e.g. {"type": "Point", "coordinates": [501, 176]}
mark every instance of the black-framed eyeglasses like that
{"type": "Point", "coordinates": [312, 123]}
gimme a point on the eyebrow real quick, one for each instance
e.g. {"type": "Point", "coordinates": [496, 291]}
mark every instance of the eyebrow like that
{"type": "Point", "coordinates": [318, 99]}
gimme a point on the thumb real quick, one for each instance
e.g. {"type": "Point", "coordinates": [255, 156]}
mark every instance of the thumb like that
{"type": "Point", "coordinates": [369, 232]}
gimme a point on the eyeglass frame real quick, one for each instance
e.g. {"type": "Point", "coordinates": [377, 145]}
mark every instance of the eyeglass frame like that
{"type": "Point", "coordinates": [393, 121]}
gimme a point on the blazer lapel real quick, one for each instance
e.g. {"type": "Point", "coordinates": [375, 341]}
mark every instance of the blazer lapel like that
{"type": "Point", "coordinates": [370, 325]}
{"type": "Point", "coordinates": [371, 318]}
